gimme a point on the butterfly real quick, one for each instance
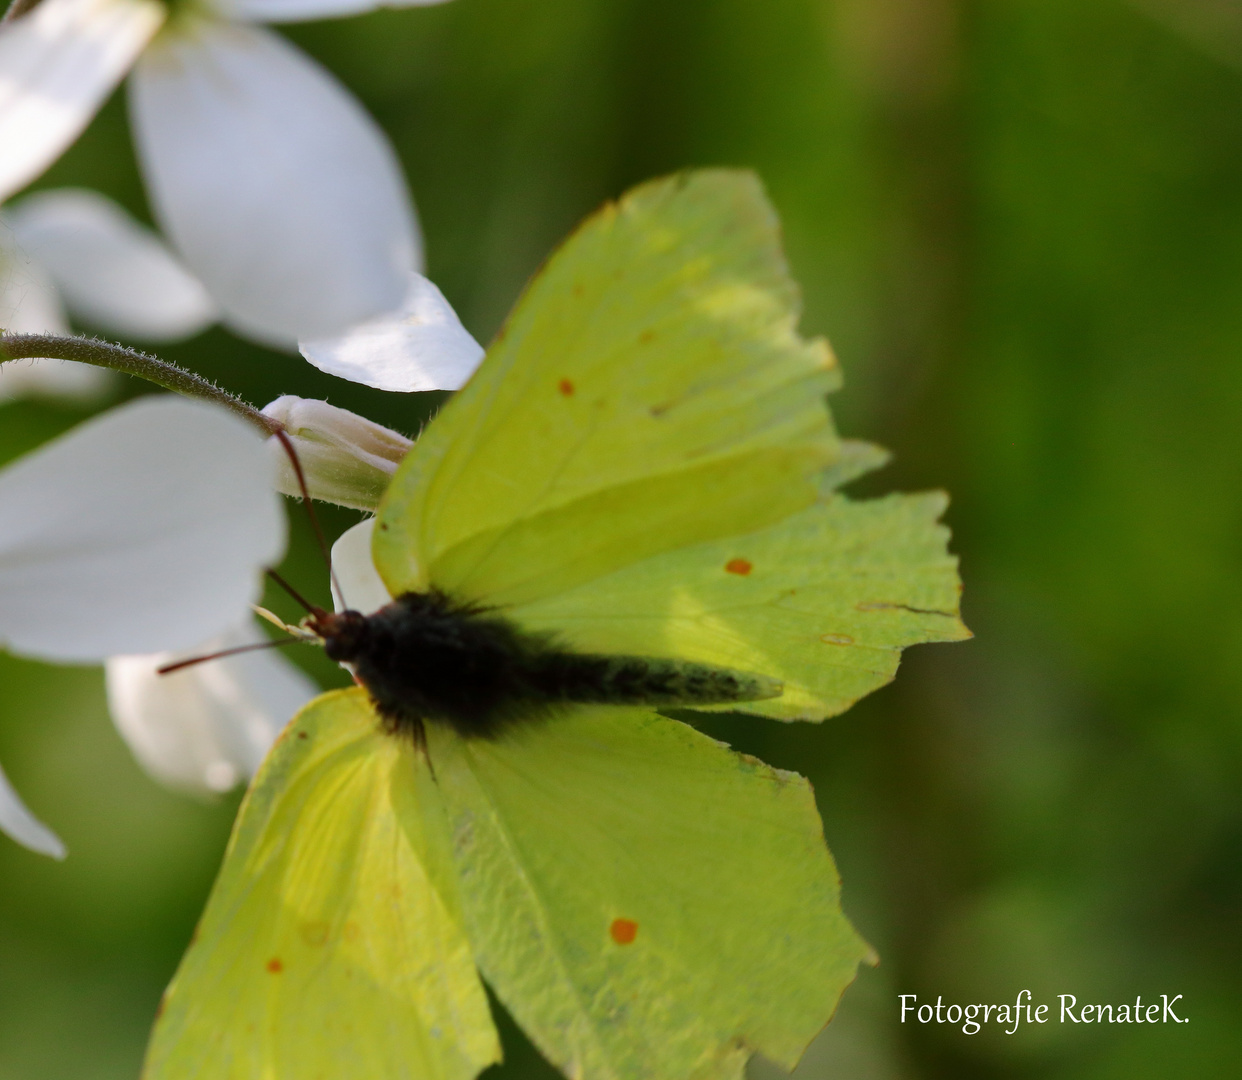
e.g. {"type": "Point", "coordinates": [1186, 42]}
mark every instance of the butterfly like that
{"type": "Point", "coordinates": [644, 467]}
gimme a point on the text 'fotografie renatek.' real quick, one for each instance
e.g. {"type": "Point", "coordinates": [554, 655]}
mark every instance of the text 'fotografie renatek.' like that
{"type": "Point", "coordinates": [1023, 1010]}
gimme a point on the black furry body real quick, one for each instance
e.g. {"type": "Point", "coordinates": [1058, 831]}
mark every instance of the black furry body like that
{"type": "Point", "coordinates": [426, 657]}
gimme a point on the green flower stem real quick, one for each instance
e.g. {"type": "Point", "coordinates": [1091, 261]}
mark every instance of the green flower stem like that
{"type": "Point", "coordinates": [118, 358]}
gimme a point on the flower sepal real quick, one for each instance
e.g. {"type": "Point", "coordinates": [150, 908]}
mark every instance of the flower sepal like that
{"type": "Point", "coordinates": [345, 458]}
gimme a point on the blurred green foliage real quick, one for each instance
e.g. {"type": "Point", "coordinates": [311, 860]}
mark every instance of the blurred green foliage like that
{"type": "Point", "coordinates": [1020, 222]}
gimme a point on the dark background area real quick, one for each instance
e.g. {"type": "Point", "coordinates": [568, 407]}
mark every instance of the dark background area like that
{"type": "Point", "coordinates": [1020, 224]}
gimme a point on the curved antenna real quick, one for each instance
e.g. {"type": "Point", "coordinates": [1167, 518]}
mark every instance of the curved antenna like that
{"type": "Point", "coordinates": [311, 609]}
{"type": "Point", "coordinates": [287, 443]}
{"type": "Point", "coordinates": [177, 665]}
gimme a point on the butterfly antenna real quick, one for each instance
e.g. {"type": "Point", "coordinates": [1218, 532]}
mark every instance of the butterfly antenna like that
{"type": "Point", "coordinates": [311, 609]}
{"type": "Point", "coordinates": [287, 443]}
{"type": "Point", "coordinates": [168, 669]}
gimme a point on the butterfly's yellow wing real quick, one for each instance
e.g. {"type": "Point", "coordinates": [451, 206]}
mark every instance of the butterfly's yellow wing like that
{"type": "Point", "coordinates": [649, 391]}
{"type": "Point", "coordinates": [332, 945]}
{"type": "Point", "coordinates": [824, 601]}
{"type": "Point", "coordinates": [644, 464]}
{"type": "Point", "coordinates": [646, 902]}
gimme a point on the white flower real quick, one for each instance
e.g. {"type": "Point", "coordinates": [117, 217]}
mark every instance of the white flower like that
{"type": "Point", "coordinates": [75, 250]}
{"type": "Point", "coordinates": [281, 193]}
{"type": "Point", "coordinates": [206, 728]}
{"type": "Point", "coordinates": [143, 529]}
{"type": "Point", "coordinates": [346, 458]}
{"type": "Point", "coordinates": [422, 346]}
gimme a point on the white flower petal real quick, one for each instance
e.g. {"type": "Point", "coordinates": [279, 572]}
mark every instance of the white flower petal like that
{"type": "Point", "coordinates": [144, 528]}
{"type": "Point", "coordinates": [206, 728]}
{"type": "Point", "coordinates": [299, 10]}
{"type": "Point", "coordinates": [281, 193]}
{"type": "Point", "coordinates": [359, 580]}
{"type": "Point", "coordinates": [63, 380]}
{"type": "Point", "coordinates": [57, 64]}
{"type": "Point", "coordinates": [111, 272]}
{"type": "Point", "coordinates": [30, 304]}
{"type": "Point", "coordinates": [19, 823]}
{"type": "Point", "coordinates": [423, 346]}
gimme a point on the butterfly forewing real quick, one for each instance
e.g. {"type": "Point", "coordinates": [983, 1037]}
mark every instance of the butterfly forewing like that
{"type": "Point", "coordinates": [649, 391]}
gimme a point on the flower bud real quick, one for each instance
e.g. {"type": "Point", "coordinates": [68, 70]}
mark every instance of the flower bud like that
{"type": "Point", "coordinates": [346, 458]}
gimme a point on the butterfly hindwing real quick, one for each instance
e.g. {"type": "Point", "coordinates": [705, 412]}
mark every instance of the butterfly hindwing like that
{"type": "Point", "coordinates": [649, 391]}
{"type": "Point", "coordinates": [824, 601]}
{"type": "Point", "coordinates": [645, 901]}
{"type": "Point", "coordinates": [332, 944]}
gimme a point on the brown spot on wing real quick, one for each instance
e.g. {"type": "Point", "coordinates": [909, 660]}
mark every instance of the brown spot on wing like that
{"type": "Point", "coordinates": [623, 931]}
{"type": "Point", "coordinates": [739, 566]}
{"type": "Point", "coordinates": [275, 966]}
{"type": "Point", "coordinates": [566, 387]}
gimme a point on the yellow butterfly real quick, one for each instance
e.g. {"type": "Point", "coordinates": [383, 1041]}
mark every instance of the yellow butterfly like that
{"type": "Point", "coordinates": [643, 468]}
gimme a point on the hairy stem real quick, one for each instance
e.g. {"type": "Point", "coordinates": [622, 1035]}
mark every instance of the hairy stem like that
{"type": "Point", "coordinates": [118, 358]}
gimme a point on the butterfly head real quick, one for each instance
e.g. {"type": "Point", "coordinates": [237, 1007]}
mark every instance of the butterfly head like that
{"type": "Point", "coordinates": [343, 633]}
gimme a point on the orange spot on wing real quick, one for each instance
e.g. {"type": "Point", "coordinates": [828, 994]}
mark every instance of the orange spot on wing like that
{"type": "Point", "coordinates": [738, 566]}
{"type": "Point", "coordinates": [565, 387]}
{"type": "Point", "coordinates": [623, 931]}
{"type": "Point", "coordinates": [275, 966]}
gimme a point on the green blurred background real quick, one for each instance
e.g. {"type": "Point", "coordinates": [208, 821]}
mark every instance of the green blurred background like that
{"type": "Point", "coordinates": [1020, 223]}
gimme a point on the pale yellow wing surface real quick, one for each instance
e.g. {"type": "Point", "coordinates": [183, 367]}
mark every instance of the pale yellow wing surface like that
{"type": "Point", "coordinates": [649, 391]}
{"type": "Point", "coordinates": [824, 600]}
{"type": "Point", "coordinates": [332, 945]}
{"type": "Point", "coordinates": [648, 904]}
